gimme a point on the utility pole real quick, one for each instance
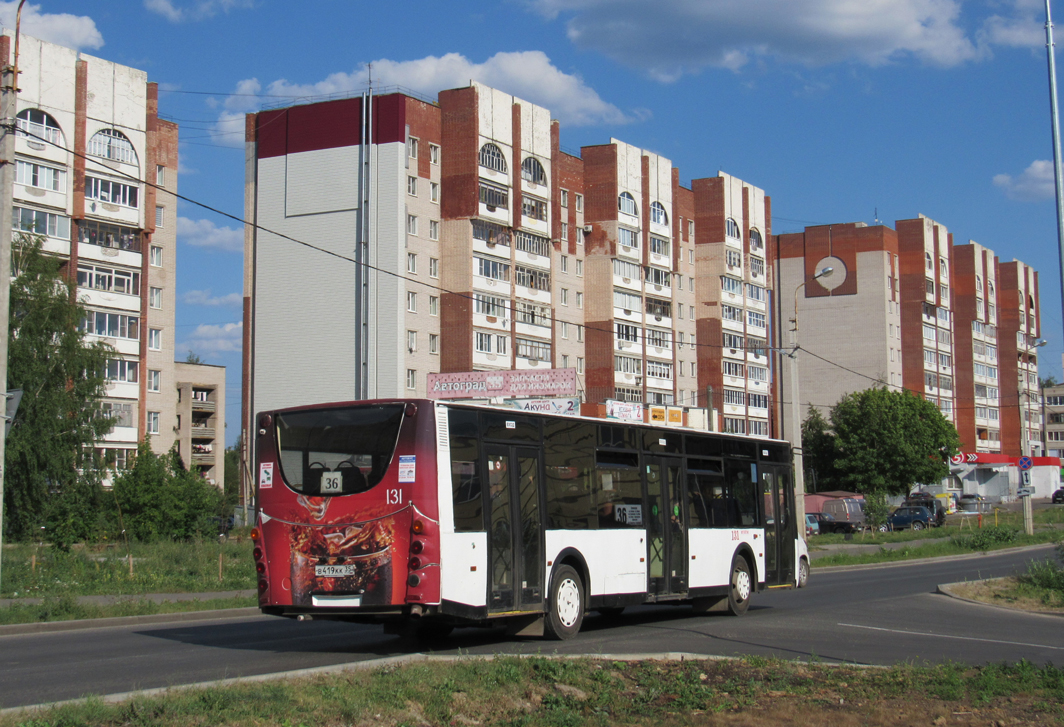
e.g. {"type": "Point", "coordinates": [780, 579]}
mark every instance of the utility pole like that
{"type": "Point", "coordinates": [1055, 118]}
{"type": "Point", "coordinates": [8, 111]}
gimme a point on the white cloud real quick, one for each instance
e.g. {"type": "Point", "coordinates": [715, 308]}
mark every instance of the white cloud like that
{"type": "Point", "coordinates": [529, 75]}
{"type": "Point", "coordinates": [204, 297]}
{"type": "Point", "coordinates": [204, 233]}
{"type": "Point", "coordinates": [72, 31]}
{"type": "Point", "coordinates": [1022, 27]}
{"type": "Point", "coordinates": [1035, 184]}
{"type": "Point", "coordinates": [667, 38]}
{"type": "Point", "coordinates": [207, 339]}
{"type": "Point", "coordinates": [194, 11]}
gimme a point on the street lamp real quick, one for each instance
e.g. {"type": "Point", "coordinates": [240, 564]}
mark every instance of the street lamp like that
{"type": "Point", "coordinates": [796, 413]}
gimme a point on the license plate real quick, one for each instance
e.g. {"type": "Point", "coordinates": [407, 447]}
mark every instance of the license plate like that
{"type": "Point", "coordinates": [334, 571]}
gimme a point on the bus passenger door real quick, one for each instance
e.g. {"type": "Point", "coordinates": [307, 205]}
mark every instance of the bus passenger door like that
{"type": "Point", "coordinates": [515, 537]}
{"type": "Point", "coordinates": [778, 513]}
{"type": "Point", "coordinates": [666, 527]}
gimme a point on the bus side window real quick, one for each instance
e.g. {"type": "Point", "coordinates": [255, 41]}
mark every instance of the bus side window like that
{"type": "Point", "coordinates": [465, 485]}
{"type": "Point", "coordinates": [618, 491]}
{"type": "Point", "coordinates": [739, 477]}
{"type": "Point", "coordinates": [568, 468]}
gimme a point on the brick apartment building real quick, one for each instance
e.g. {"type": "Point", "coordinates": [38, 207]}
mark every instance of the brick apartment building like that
{"type": "Point", "coordinates": [96, 177]}
{"type": "Point", "coordinates": [488, 247]}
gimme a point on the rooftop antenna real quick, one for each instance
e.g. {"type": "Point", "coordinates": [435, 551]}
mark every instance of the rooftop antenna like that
{"type": "Point", "coordinates": [876, 214]}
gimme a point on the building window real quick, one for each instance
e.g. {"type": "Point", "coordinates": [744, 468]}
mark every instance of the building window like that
{"type": "Point", "coordinates": [411, 224]}
{"type": "Point", "coordinates": [565, 361]}
{"type": "Point", "coordinates": [112, 144]}
{"type": "Point", "coordinates": [160, 174]}
{"type": "Point", "coordinates": [411, 302]}
{"type": "Point", "coordinates": [119, 369]}
{"type": "Point", "coordinates": [502, 345]}
{"type": "Point", "coordinates": [112, 280]}
{"type": "Point", "coordinates": [565, 230]}
{"type": "Point", "coordinates": [111, 325]}
{"type": "Point", "coordinates": [732, 229]}
{"type": "Point", "coordinates": [411, 378]}
{"type": "Point", "coordinates": [755, 319]}
{"type": "Point", "coordinates": [156, 256]}
{"type": "Point", "coordinates": [488, 305]}
{"type": "Point", "coordinates": [411, 147]}
{"type": "Point", "coordinates": [579, 268]}
{"type": "Point", "coordinates": [153, 422]}
{"type": "Point", "coordinates": [411, 186]}
{"type": "Point", "coordinates": [434, 230]}
{"type": "Point", "coordinates": [628, 238]}
{"type": "Point", "coordinates": [563, 296]}
{"type": "Point", "coordinates": [755, 240]}
{"type": "Point", "coordinates": [626, 204]}
{"type": "Point", "coordinates": [155, 339]}
{"type": "Point", "coordinates": [734, 426]}
{"type": "Point", "coordinates": [533, 208]}
{"type": "Point", "coordinates": [564, 262]}
{"type": "Point", "coordinates": [104, 190]}
{"type": "Point", "coordinates": [755, 292]}
{"type": "Point", "coordinates": [434, 192]}
{"type": "Point", "coordinates": [564, 329]}
{"type": "Point", "coordinates": [155, 297]}
{"type": "Point", "coordinates": [659, 245]}
{"type": "Point", "coordinates": [159, 215]}
{"type": "Point", "coordinates": [731, 368]}
{"type": "Point", "coordinates": [564, 198]}
{"type": "Point", "coordinates": [491, 268]}
{"type": "Point", "coordinates": [411, 262]}
{"type": "Point", "coordinates": [731, 285]}
{"type": "Point", "coordinates": [34, 122]}
{"type": "Point", "coordinates": [155, 380]}
{"type": "Point", "coordinates": [434, 305]}
{"type": "Point", "coordinates": [533, 349]}
{"type": "Point", "coordinates": [533, 244]}
{"type": "Point", "coordinates": [434, 154]}
{"type": "Point", "coordinates": [434, 268]}
{"type": "Point", "coordinates": [579, 365]}
{"type": "Point", "coordinates": [731, 313]}
{"type": "Point", "coordinates": [493, 196]}
{"type": "Point", "coordinates": [532, 278]}
{"type": "Point", "coordinates": [532, 171]}
{"type": "Point", "coordinates": [579, 203]}
{"type": "Point", "coordinates": [411, 341]}
{"type": "Point", "coordinates": [579, 299]}
{"type": "Point", "coordinates": [579, 333]}
{"type": "Point", "coordinates": [492, 158]}
{"type": "Point", "coordinates": [434, 343]}
{"type": "Point", "coordinates": [38, 175]}
{"type": "Point", "coordinates": [658, 214]}
{"type": "Point", "coordinates": [482, 342]}
{"type": "Point", "coordinates": [41, 223]}
{"type": "Point", "coordinates": [103, 234]}
{"type": "Point", "coordinates": [757, 266]}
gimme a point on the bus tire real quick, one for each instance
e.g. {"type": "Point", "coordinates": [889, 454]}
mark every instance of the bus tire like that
{"type": "Point", "coordinates": [803, 573]}
{"type": "Point", "coordinates": [740, 586]}
{"type": "Point", "coordinates": [566, 606]}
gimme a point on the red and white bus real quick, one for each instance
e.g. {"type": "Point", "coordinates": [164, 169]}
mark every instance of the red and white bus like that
{"type": "Point", "coordinates": [423, 515]}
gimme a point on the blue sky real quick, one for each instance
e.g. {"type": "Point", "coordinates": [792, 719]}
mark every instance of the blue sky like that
{"type": "Point", "coordinates": [836, 108]}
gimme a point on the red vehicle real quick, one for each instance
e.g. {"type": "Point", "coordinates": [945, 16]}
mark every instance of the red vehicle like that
{"type": "Point", "coordinates": [427, 515]}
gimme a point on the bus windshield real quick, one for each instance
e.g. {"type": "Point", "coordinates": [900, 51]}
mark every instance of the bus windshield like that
{"type": "Point", "coordinates": [337, 451]}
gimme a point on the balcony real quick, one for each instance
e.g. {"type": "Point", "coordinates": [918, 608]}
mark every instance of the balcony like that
{"type": "Point", "coordinates": [200, 405]}
{"type": "Point", "coordinates": [202, 432]}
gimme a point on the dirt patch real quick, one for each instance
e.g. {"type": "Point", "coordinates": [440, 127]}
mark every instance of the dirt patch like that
{"type": "Point", "coordinates": [1011, 593]}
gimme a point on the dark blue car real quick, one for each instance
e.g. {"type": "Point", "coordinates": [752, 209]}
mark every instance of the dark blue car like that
{"type": "Point", "coordinates": [913, 517]}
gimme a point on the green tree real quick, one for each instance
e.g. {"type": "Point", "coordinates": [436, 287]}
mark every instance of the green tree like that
{"type": "Point", "coordinates": [52, 475]}
{"type": "Point", "coordinates": [193, 357]}
{"type": "Point", "coordinates": [232, 478]}
{"type": "Point", "coordinates": [887, 441]}
{"type": "Point", "coordinates": [158, 498]}
{"type": "Point", "coordinates": [818, 453]}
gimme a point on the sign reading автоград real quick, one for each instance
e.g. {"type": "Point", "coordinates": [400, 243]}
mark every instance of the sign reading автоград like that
{"type": "Point", "coordinates": [486, 384]}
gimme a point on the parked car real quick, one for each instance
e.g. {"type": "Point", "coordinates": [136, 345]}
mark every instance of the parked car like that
{"type": "Point", "coordinates": [916, 517]}
{"type": "Point", "coordinates": [812, 525]}
{"type": "Point", "coordinates": [1058, 497]}
{"type": "Point", "coordinates": [842, 515]}
{"type": "Point", "coordinates": [932, 503]}
{"type": "Point", "coordinates": [973, 503]}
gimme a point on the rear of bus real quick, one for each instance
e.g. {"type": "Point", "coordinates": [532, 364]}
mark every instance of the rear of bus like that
{"type": "Point", "coordinates": [348, 523]}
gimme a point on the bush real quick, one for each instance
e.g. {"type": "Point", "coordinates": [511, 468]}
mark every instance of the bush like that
{"type": "Point", "coordinates": [986, 538]}
{"type": "Point", "coordinates": [1047, 574]}
{"type": "Point", "coordinates": [158, 498]}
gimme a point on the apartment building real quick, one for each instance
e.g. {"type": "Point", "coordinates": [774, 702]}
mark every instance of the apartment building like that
{"type": "Point", "coordinates": [849, 321]}
{"type": "Point", "coordinates": [462, 237]}
{"type": "Point", "coordinates": [925, 248]}
{"type": "Point", "coordinates": [1019, 328]}
{"type": "Point", "coordinates": [1053, 420]}
{"type": "Point", "coordinates": [96, 176]}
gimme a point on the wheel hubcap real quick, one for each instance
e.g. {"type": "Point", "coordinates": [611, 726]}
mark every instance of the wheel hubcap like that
{"type": "Point", "coordinates": [741, 585]}
{"type": "Point", "coordinates": [568, 605]}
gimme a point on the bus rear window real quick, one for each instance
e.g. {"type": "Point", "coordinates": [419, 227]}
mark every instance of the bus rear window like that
{"type": "Point", "coordinates": [337, 451]}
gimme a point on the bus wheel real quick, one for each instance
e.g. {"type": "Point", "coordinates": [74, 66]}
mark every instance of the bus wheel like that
{"type": "Point", "coordinates": [742, 587]}
{"type": "Point", "coordinates": [566, 604]}
{"type": "Point", "coordinates": [803, 573]}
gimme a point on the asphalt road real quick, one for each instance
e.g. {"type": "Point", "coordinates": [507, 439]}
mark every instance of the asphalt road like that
{"type": "Point", "coordinates": [881, 615]}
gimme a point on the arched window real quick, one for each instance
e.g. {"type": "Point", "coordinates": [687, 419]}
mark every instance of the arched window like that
{"type": "Point", "coordinates": [626, 204]}
{"type": "Point", "coordinates": [658, 215]}
{"type": "Point", "coordinates": [112, 144]}
{"type": "Point", "coordinates": [979, 282]}
{"type": "Point", "coordinates": [532, 171]}
{"type": "Point", "coordinates": [34, 122]}
{"type": "Point", "coordinates": [990, 287]}
{"type": "Point", "coordinates": [928, 262]}
{"type": "Point", "coordinates": [732, 229]}
{"type": "Point", "coordinates": [755, 239]}
{"type": "Point", "coordinates": [492, 158]}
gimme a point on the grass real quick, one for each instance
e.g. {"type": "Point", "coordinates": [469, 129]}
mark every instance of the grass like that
{"type": "Point", "coordinates": [562, 692]}
{"type": "Point", "coordinates": [162, 567]}
{"type": "Point", "coordinates": [942, 546]}
{"type": "Point", "coordinates": [67, 608]}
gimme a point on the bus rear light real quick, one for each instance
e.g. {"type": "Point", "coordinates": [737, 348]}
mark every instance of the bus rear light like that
{"type": "Point", "coordinates": [416, 547]}
{"type": "Point", "coordinates": [415, 563]}
{"type": "Point", "coordinates": [260, 567]}
{"type": "Point", "coordinates": [263, 585]}
{"type": "Point", "coordinates": [257, 553]}
{"type": "Point", "coordinates": [414, 580]}
{"type": "Point", "coordinates": [418, 527]}
{"type": "Point", "coordinates": [256, 534]}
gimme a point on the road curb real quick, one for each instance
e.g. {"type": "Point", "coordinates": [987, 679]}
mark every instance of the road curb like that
{"type": "Point", "coordinates": [915, 561]}
{"type": "Point", "coordinates": [381, 663]}
{"type": "Point", "coordinates": [103, 623]}
{"type": "Point", "coordinates": [947, 589]}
